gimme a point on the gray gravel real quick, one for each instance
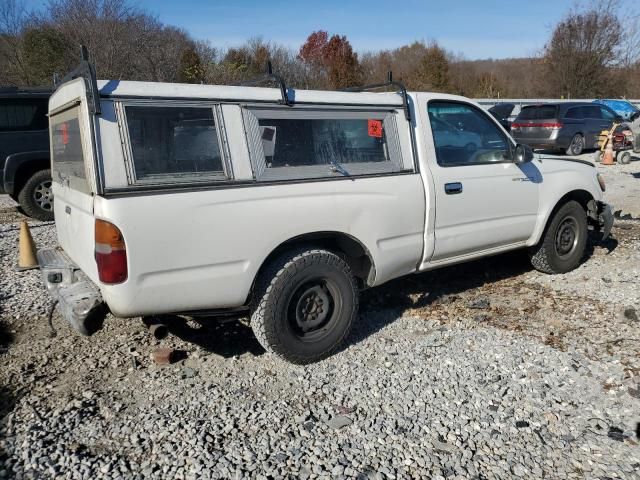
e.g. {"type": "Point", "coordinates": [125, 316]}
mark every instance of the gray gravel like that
{"type": "Point", "coordinates": [487, 370]}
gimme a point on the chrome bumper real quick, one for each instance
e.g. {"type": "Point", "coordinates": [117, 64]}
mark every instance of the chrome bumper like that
{"type": "Point", "coordinates": [79, 299]}
{"type": "Point", "coordinates": [605, 218]}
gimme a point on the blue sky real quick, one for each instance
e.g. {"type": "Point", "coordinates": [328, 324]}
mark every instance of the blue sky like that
{"type": "Point", "coordinates": [476, 28]}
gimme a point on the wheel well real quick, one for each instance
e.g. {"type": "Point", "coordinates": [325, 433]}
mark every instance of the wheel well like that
{"type": "Point", "coordinates": [584, 198]}
{"type": "Point", "coordinates": [24, 172]}
{"type": "Point", "coordinates": [354, 252]}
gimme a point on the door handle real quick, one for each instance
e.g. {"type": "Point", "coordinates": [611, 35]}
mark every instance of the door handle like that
{"type": "Point", "coordinates": [452, 188]}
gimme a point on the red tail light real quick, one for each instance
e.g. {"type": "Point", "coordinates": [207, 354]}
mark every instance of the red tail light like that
{"type": "Point", "coordinates": [111, 253]}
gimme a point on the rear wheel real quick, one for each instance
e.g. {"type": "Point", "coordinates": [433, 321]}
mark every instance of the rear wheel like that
{"type": "Point", "coordinates": [36, 197]}
{"type": "Point", "coordinates": [563, 243]}
{"type": "Point", "coordinates": [576, 146]}
{"type": "Point", "coordinates": [304, 305]}
{"type": "Point", "coordinates": [624, 158]}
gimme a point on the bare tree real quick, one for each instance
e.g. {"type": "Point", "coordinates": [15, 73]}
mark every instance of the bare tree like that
{"type": "Point", "coordinates": [582, 47]}
{"type": "Point", "coordinates": [14, 16]}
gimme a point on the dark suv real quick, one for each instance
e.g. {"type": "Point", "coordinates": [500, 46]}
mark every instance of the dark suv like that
{"type": "Point", "coordinates": [570, 126]}
{"type": "Point", "coordinates": [24, 150]}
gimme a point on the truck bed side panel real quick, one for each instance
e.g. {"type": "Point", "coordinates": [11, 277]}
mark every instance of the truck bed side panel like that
{"type": "Point", "coordinates": [202, 249]}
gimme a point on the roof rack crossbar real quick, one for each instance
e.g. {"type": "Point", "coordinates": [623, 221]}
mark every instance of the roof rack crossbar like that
{"type": "Point", "coordinates": [269, 76]}
{"type": "Point", "coordinates": [389, 83]}
{"type": "Point", "coordinates": [87, 71]}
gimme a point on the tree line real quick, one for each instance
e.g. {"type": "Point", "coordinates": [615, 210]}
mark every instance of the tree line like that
{"type": "Point", "coordinates": [594, 51]}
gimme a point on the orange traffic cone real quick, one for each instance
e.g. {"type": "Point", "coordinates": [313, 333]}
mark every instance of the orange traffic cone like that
{"type": "Point", "coordinates": [607, 158]}
{"type": "Point", "coordinates": [27, 249]}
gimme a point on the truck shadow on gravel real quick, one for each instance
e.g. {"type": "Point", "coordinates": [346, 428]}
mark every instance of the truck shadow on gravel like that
{"type": "Point", "coordinates": [224, 338]}
{"type": "Point", "coordinates": [383, 305]}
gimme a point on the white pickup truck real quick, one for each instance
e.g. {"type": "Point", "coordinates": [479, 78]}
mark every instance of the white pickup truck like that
{"type": "Point", "coordinates": [185, 199]}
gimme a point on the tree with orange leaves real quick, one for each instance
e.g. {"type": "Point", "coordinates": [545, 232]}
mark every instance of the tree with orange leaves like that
{"type": "Point", "coordinates": [332, 58]}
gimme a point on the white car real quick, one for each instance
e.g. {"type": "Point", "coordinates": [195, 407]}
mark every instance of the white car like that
{"type": "Point", "coordinates": [195, 198]}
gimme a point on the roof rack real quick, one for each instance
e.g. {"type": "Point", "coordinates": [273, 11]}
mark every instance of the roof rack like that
{"type": "Point", "coordinates": [85, 70]}
{"type": "Point", "coordinates": [269, 76]}
{"type": "Point", "coordinates": [389, 83]}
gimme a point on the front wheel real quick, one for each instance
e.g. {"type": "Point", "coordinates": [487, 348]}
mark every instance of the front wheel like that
{"type": "Point", "coordinates": [304, 305]}
{"type": "Point", "coordinates": [563, 243]}
{"type": "Point", "coordinates": [36, 197]}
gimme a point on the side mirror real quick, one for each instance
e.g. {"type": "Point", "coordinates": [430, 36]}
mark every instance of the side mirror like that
{"type": "Point", "coordinates": [523, 154]}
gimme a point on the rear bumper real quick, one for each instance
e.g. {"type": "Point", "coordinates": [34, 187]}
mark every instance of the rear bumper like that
{"type": "Point", "coordinates": [2, 181]}
{"type": "Point", "coordinates": [79, 299]}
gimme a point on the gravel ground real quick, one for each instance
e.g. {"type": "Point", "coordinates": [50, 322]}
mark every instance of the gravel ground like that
{"type": "Point", "coordinates": [482, 370]}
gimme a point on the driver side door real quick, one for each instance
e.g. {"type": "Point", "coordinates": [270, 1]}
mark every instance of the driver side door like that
{"type": "Point", "coordinates": [484, 201]}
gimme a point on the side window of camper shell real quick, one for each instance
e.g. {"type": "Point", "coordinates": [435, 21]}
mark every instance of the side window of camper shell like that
{"type": "Point", "coordinates": [174, 144]}
{"type": "Point", "coordinates": [307, 143]}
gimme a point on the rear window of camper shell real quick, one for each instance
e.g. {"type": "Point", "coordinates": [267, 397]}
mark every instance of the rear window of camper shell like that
{"type": "Point", "coordinates": [68, 166]}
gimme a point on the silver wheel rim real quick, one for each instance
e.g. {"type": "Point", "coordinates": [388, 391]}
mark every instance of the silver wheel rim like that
{"type": "Point", "coordinates": [577, 145]}
{"type": "Point", "coordinates": [43, 196]}
{"type": "Point", "coordinates": [566, 237]}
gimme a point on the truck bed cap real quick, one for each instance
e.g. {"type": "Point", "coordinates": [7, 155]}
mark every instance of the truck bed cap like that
{"type": "Point", "coordinates": [118, 88]}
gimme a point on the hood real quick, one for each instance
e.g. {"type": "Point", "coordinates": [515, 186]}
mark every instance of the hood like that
{"type": "Point", "coordinates": [546, 158]}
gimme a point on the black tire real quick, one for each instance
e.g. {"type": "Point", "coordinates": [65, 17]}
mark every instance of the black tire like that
{"type": "Point", "coordinates": [576, 146]}
{"type": "Point", "coordinates": [563, 242]}
{"type": "Point", "coordinates": [304, 305]}
{"type": "Point", "coordinates": [36, 198]}
{"type": "Point", "coordinates": [624, 158]}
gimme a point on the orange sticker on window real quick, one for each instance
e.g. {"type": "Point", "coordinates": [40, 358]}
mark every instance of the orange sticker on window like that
{"type": "Point", "coordinates": [65, 133]}
{"type": "Point", "coordinates": [375, 128]}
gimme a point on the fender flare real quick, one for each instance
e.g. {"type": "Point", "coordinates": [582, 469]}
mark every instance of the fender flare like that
{"type": "Point", "coordinates": [352, 247]}
{"type": "Point", "coordinates": [16, 161]}
{"type": "Point", "coordinates": [586, 198]}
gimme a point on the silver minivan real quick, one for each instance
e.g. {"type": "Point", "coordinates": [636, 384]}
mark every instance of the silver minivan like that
{"type": "Point", "coordinates": [569, 126]}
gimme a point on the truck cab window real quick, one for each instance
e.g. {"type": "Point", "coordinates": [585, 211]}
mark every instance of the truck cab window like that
{"type": "Point", "coordinates": [465, 136]}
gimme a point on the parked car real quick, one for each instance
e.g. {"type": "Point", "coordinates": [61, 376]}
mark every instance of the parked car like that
{"type": "Point", "coordinates": [502, 112]}
{"type": "Point", "coordinates": [285, 204]}
{"type": "Point", "coordinates": [24, 150]}
{"type": "Point", "coordinates": [568, 126]}
{"type": "Point", "coordinates": [624, 108]}
{"type": "Point", "coordinates": [630, 114]}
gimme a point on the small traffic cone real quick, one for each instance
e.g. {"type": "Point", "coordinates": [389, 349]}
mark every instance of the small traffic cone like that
{"type": "Point", "coordinates": [27, 249]}
{"type": "Point", "coordinates": [607, 158]}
